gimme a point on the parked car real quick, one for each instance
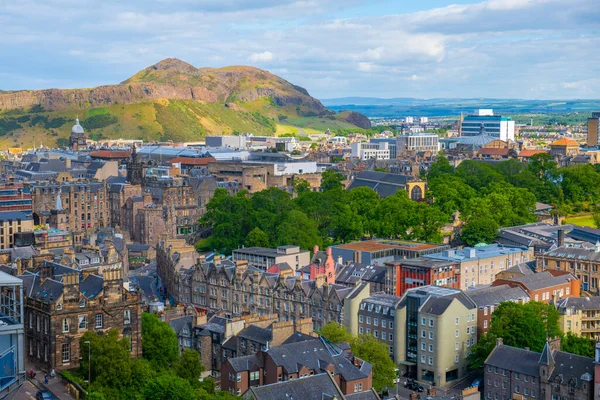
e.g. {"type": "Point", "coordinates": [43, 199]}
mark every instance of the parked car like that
{"type": "Point", "coordinates": [45, 395]}
{"type": "Point", "coordinates": [412, 385]}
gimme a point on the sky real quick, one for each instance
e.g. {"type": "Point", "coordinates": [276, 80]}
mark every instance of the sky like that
{"type": "Point", "coordinates": [531, 49]}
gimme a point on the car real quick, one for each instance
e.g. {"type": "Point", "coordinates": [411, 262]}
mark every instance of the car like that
{"type": "Point", "coordinates": [45, 395]}
{"type": "Point", "coordinates": [412, 385]}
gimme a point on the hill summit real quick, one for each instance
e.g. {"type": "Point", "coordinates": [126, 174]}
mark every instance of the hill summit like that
{"type": "Point", "coordinates": [173, 100]}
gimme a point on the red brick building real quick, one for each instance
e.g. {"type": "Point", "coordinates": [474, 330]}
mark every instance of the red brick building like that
{"type": "Point", "coordinates": [422, 271]}
{"type": "Point", "coordinates": [546, 285]}
{"type": "Point", "coordinates": [294, 361]}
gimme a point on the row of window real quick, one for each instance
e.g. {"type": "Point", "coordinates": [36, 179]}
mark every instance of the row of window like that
{"type": "Point", "coordinates": [384, 335]}
{"type": "Point", "coordinates": [384, 323]}
{"type": "Point", "coordinates": [99, 321]}
{"type": "Point", "coordinates": [385, 310]}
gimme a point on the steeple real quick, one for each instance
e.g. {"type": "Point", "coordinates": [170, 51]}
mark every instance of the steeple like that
{"type": "Point", "coordinates": [59, 205]}
{"type": "Point", "coordinates": [547, 358]}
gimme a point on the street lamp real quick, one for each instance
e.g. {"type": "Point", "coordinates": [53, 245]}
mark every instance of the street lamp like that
{"type": "Point", "coordinates": [89, 363]}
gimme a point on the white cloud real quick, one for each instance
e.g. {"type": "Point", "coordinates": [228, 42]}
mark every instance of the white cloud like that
{"type": "Point", "coordinates": [265, 56]}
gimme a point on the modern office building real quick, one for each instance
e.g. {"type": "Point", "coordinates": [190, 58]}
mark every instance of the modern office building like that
{"type": "Point", "coordinates": [418, 141]}
{"type": "Point", "coordinates": [12, 222]}
{"type": "Point", "coordinates": [263, 258]}
{"type": "Point", "coordinates": [435, 328]}
{"type": "Point", "coordinates": [367, 151]}
{"type": "Point", "coordinates": [485, 122]}
{"type": "Point", "coordinates": [15, 197]}
{"type": "Point", "coordinates": [593, 129]}
{"type": "Point", "coordinates": [12, 335]}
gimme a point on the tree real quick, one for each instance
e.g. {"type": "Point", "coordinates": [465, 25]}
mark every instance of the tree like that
{"type": "Point", "coordinates": [519, 325]}
{"type": "Point", "coordinates": [336, 333]}
{"type": "Point", "coordinates": [478, 230]}
{"type": "Point", "coordinates": [257, 238]}
{"type": "Point", "coordinates": [169, 387]}
{"type": "Point", "coordinates": [578, 345]}
{"type": "Point", "coordinates": [159, 342]}
{"type": "Point", "coordinates": [440, 167]}
{"type": "Point", "coordinates": [377, 354]}
{"type": "Point", "coordinates": [296, 228]}
{"type": "Point", "coordinates": [331, 180]}
{"type": "Point", "coordinates": [189, 367]}
{"type": "Point", "coordinates": [301, 186]}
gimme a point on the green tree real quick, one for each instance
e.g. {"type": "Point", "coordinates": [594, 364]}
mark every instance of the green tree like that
{"type": "Point", "coordinates": [296, 228]}
{"type": "Point", "coordinates": [189, 367]}
{"type": "Point", "coordinates": [440, 167]}
{"type": "Point", "coordinates": [301, 186]}
{"type": "Point", "coordinates": [519, 325]}
{"type": "Point", "coordinates": [336, 333]}
{"type": "Point", "coordinates": [429, 222]}
{"type": "Point", "coordinates": [257, 238]}
{"type": "Point", "coordinates": [159, 342]}
{"type": "Point", "coordinates": [331, 180]}
{"type": "Point", "coordinates": [578, 345]}
{"type": "Point", "coordinates": [377, 354]}
{"type": "Point", "coordinates": [169, 387]}
{"type": "Point", "coordinates": [479, 230]}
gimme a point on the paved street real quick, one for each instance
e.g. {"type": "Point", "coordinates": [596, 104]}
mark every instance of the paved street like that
{"type": "Point", "coordinates": [27, 392]}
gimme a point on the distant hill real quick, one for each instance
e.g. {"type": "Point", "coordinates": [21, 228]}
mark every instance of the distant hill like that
{"type": "Point", "coordinates": [171, 100]}
{"type": "Point", "coordinates": [399, 107]}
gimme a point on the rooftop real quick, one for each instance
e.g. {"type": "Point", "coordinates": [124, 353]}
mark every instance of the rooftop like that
{"type": "Point", "coordinates": [495, 295]}
{"type": "Point", "coordinates": [475, 253]}
{"type": "Point", "coordinates": [378, 245]}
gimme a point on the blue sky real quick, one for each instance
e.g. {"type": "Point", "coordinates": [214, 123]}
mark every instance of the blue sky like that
{"type": "Point", "coordinates": [535, 49]}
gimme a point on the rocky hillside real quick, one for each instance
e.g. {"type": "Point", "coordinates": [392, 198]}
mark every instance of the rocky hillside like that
{"type": "Point", "coordinates": [171, 100]}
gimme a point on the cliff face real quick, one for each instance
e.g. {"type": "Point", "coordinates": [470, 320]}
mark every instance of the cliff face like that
{"type": "Point", "coordinates": [173, 79]}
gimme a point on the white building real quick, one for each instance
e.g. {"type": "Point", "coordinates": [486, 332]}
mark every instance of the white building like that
{"type": "Point", "coordinates": [367, 151]}
{"type": "Point", "coordinates": [409, 120]}
{"type": "Point", "coordinates": [421, 141]}
{"type": "Point", "coordinates": [484, 122]}
{"type": "Point", "coordinates": [423, 120]}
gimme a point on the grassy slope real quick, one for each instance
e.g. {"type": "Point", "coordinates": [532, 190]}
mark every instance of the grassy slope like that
{"type": "Point", "coordinates": [581, 220]}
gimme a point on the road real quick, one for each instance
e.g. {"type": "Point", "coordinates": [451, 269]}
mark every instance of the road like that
{"type": "Point", "coordinates": [26, 392]}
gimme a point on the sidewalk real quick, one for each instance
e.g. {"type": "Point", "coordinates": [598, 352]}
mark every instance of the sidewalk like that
{"type": "Point", "coordinates": [57, 386]}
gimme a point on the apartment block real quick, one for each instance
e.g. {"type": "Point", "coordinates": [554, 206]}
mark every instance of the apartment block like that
{"type": "Point", "coordinates": [545, 286]}
{"type": "Point", "coordinates": [11, 223]}
{"type": "Point", "coordinates": [582, 260]}
{"type": "Point", "coordinates": [435, 327]}
{"type": "Point", "coordinates": [580, 316]}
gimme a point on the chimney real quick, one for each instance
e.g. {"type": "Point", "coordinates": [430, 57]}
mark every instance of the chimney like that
{"type": "Point", "coordinates": [499, 342]}
{"type": "Point", "coordinates": [340, 260]}
{"type": "Point", "coordinates": [315, 249]}
{"type": "Point", "coordinates": [561, 237]}
{"type": "Point", "coordinates": [241, 266]}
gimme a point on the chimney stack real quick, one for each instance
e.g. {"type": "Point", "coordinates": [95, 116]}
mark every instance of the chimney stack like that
{"type": "Point", "coordinates": [561, 237]}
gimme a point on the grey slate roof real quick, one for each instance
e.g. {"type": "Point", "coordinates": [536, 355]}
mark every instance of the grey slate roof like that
{"type": "Point", "coordinates": [316, 354]}
{"type": "Point", "coordinates": [256, 334]}
{"type": "Point", "coordinates": [178, 324]}
{"type": "Point", "coordinates": [542, 280]}
{"type": "Point", "coordinates": [495, 295]}
{"type": "Point", "coordinates": [515, 359]}
{"type": "Point", "coordinates": [355, 272]}
{"type": "Point", "coordinates": [319, 386]}
{"type": "Point", "coordinates": [49, 291]}
{"type": "Point", "coordinates": [382, 183]}
{"type": "Point", "coordinates": [91, 286]}
{"type": "Point", "coordinates": [246, 363]}
{"type": "Point", "coordinates": [571, 366]}
{"type": "Point", "coordinates": [298, 337]}
{"type": "Point", "coordinates": [580, 303]}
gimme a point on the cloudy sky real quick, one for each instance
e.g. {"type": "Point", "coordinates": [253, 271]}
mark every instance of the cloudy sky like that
{"type": "Point", "coordinates": [537, 49]}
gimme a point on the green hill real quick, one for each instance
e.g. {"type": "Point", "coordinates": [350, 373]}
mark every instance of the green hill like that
{"type": "Point", "coordinates": [171, 100]}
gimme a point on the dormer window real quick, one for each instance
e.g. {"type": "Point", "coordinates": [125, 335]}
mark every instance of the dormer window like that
{"type": "Point", "coordinates": [82, 303]}
{"type": "Point", "coordinates": [58, 306]}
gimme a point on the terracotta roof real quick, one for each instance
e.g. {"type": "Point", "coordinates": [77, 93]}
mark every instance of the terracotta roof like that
{"type": "Point", "coordinates": [565, 142]}
{"type": "Point", "coordinates": [493, 152]}
{"type": "Point", "coordinates": [192, 161]}
{"type": "Point", "coordinates": [372, 245]}
{"type": "Point", "coordinates": [530, 152]}
{"type": "Point", "coordinates": [110, 154]}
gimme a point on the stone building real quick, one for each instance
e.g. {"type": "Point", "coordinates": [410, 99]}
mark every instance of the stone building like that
{"type": "Point", "coordinates": [85, 205]}
{"type": "Point", "coordinates": [118, 194]}
{"type": "Point", "coordinates": [236, 289]}
{"type": "Point", "coordinates": [580, 316]}
{"type": "Point", "coordinates": [582, 260]}
{"type": "Point", "coordinates": [77, 140]}
{"type": "Point", "coordinates": [550, 375]}
{"type": "Point", "coordinates": [12, 222]}
{"type": "Point", "coordinates": [63, 303]}
{"type": "Point", "coordinates": [376, 317]}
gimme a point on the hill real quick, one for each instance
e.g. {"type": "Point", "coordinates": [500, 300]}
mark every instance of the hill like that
{"type": "Point", "coordinates": [171, 100]}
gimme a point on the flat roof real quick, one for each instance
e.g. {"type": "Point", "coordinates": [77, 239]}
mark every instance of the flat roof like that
{"type": "Point", "coordinates": [375, 245]}
{"type": "Point", "coordinates": [6, 279]}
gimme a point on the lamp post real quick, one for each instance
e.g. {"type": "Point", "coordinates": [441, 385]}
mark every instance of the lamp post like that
{"type": "Point", "coordinates": [89, 363]}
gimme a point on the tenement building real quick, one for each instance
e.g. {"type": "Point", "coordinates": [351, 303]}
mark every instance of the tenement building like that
{"type": "Point", "coordinates": [580, 316]}
{"type": "Point", "coordinates": [581, 260]}
{"type": "Point", "coordinates": [238, 289]}
{"type": "Point", "coordinates": [63, 303]}
{"type": "Point", "coordinates": [510, 372]}
{"type": "Point", "coordinates": [85, 205]}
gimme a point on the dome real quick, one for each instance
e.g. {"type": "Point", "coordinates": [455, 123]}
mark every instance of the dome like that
{"type": "Point", "coordinates": [77, 129]}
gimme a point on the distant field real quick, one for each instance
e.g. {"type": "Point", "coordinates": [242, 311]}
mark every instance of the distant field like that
{"type": "Point", "coordinates": [582, 220]}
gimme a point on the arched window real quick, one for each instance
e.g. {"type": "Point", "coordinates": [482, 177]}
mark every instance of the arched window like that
{"type": "Point", "coordinates": [416, 193]}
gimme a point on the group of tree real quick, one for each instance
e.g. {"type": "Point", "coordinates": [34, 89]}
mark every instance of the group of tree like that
{"type": "Point", "coordinates": [274, 217]}
{"type": "Point", "coordinates": [527, 325]}
{"type": "Point", "coordinates": [367, 348]}
{"type": "Point", "coordinates": [492, 196]}
{"type": "Point", "coordinates": [162, 373]}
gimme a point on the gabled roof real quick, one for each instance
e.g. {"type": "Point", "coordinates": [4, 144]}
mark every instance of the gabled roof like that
{"type": "Point", "coordinates": [91, 286]}
{"type": "Point", "coordinates": [514, 359]}
{"type": "Point", "coordinates": [530, 152]}
{"type": "Point", "coordinates": [320, 387]}
{"type": "Point", "coordinates": [246, 363]}
{"type": "Point", "coordinates": [257, 334]}
{"type": "Point", "coordinates": [542, 280]}
{"type": "Point", "coordinates": [494, 295]}
{"type": "Point", "coordinates": [564, 142]}
{"type": "Point", "coordinates": [49, 291]}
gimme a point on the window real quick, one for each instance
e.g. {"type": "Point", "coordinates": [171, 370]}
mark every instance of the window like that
{"type": "Point", "coordinates": [430, 322]}
{"type": "Point", "coordinates": [455, 345]}
{"type": "Point", "coordinates": [357, 387]}
{"type": "Point", "coordinates": [369, 320]}
{"type": "Point", "coordinates": [423, 321]}
{"type": "Point", "coordinates": [485, 323]}
{"type": "Point", "coordinates": [82, 322]}
{"type": "Point", "coordinates": [59, 307]}
{"type": "Point", "coordinates": [383, 323]}
{"type": "Point", "coordinates": [376, 321]}
{"type": "Point", "coordinates": [518, 376]}
{"type": "Point", "coordinates": [65, 325]}
{"type": "Point", "coordinates": [456, 358]}
{"type": "Point", "coordinates": [82, 303]}
{"type": "Point", "coordinates": [127, 317]}
{"type": "Point", "coordinates": [98, 320]}
{"type": "Point", "coordinates": [431, 335]}
{"type": "Point", "coordinates": [424, 334]}
{"type": "Point", "coordinates": [376, 334]}
{"type": "Point", "coordinates": [423, 359]}
{"type": "Point", "coordinates": [391, 336]}
{"type": "Point", "coordinates": [423, 346]}
{"type": "Point", "coordinates": [383, 335]}
{"type": "Point", "coordinates": [456, 333]}
{"type": "Point", "coordinates": [360, 319]}
{"type": "Point", "coordinates": [254, 375]}
{"type": "Point", "coordinates": [238, 377]}
{"type": "Point", "coordinates": [66, 352]}
{"type": "Point", "coordinates": [517, 389]}
{"type": "Point", "coordinates": [526, 378]}
{"type": "Point", "coordinates": [360, 330]}
{"type": "Point", "coordinates": [457, 319]}
{"type": "Point", "coordinates": [430, 360]}
{"type": "Point", "coordinates": [391, 325]}
{"type": "Point", "coordinates": [525, 391]}
{"type": "Point", "coordinates": [431, 348]}
{"type": "Point", "coordinates": [533, 393]}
